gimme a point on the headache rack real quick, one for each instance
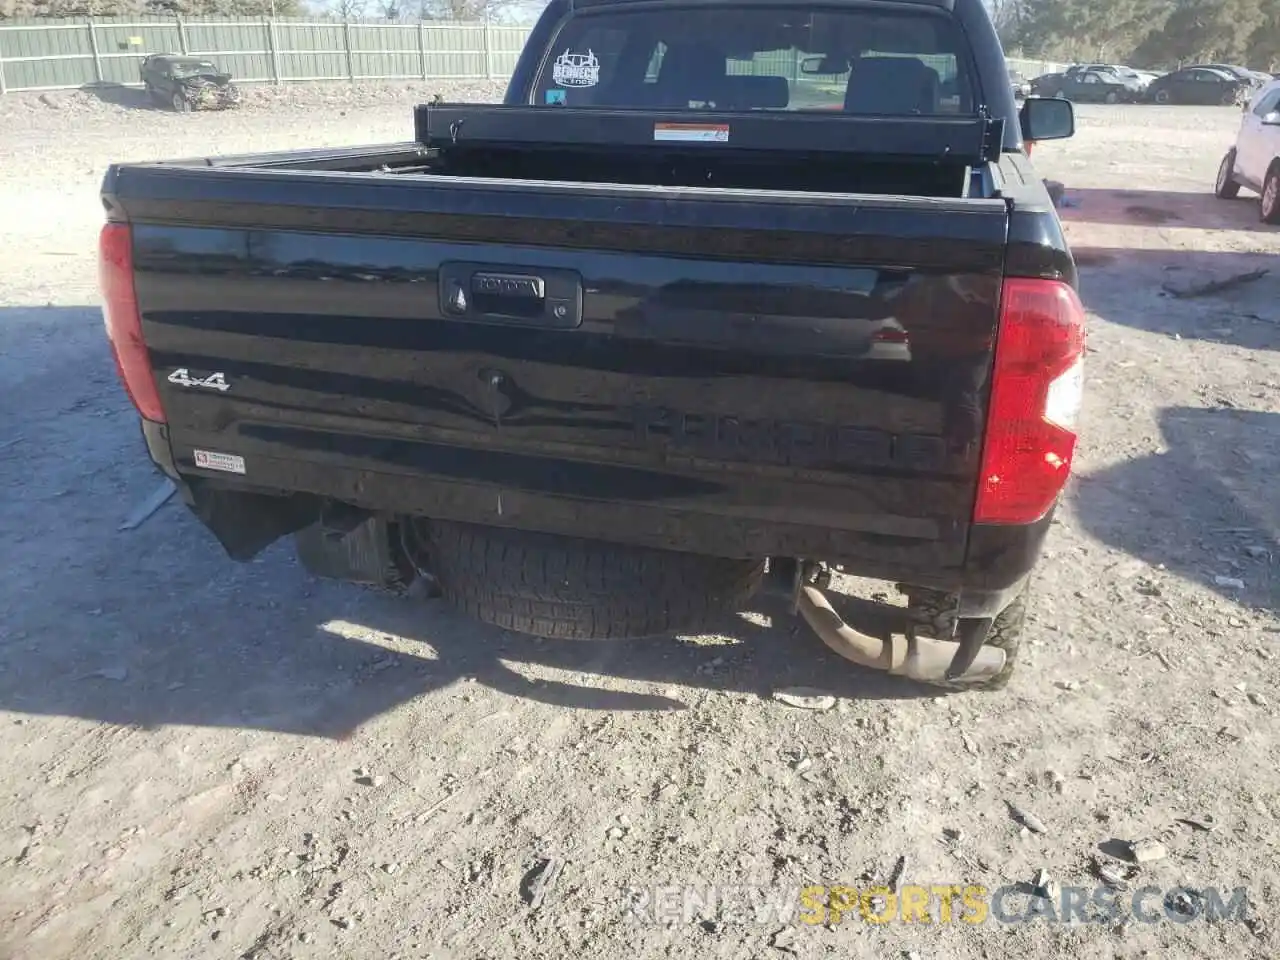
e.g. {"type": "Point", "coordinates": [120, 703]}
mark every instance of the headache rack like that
{"type": "Point", "coordinates": [965, 140]}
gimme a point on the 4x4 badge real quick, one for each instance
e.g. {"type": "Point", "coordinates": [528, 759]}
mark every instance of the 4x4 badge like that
{"type": "Point", "coordinates": [215, 381]}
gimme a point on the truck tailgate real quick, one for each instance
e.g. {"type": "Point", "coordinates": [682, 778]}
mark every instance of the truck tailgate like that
{"type": "Point", "coordinates": [770, 373]}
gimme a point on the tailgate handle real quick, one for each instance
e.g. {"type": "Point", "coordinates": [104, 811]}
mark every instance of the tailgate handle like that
{"type": "Point", "coordinates": [488, 293]}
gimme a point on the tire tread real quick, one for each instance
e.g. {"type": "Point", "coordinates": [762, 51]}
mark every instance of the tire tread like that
{"type": "Point", "coordinates": [575, 589]}
{"type": "Point", "coordinates": [1230, 189]}
{"type": "Point", "coordinates": [1271, 217]}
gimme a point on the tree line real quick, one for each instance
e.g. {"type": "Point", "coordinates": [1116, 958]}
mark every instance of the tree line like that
{"type": "Point", "coordinates": [378, 10]}
{"type": "Point", "coordinates": [1147, 34]}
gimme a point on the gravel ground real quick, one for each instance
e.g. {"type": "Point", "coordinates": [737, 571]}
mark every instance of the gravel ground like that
{"type": "Point", "coordinates": [209, 759]}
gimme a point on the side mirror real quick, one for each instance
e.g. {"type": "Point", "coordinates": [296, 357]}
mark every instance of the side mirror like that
{"type": "Point", "coordinates": [824, 66]}
{"type": "Point", "coordinates": [1272, 119]}
{"type": "Point", "coordinates": [1047, 119]}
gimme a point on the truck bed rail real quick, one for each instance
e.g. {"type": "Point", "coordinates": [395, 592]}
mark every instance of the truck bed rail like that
{"type": "Point", "coordinates": [968, 140]}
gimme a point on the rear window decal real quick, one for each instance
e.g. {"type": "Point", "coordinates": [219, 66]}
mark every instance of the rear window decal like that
{"type": "Point", "coordinates": [556, 97]}
{"type": "Point", "coordinates": [576, 69]}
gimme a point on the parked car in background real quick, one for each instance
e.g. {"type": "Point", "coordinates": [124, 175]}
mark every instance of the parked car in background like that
{"type": "Point", "coordinates": [1114, 68]}
{"type": "Point", "coordinates": [1021, 86]}
{"type": "Point", "coordinates": [1256, 77]}
{"type": "Point", "coordinates": [1090, 85]}
{"type": "Point", "coordinates": [1254, 161]}
{"type": "Point", "coordinates": [186, 83]}
{"type": "Point", "coordinates": [1052, 81]}
{"type": "Point", "coordinates": [1117, 69]}
{"type": "Point", "coordinates": [1046, 81]}
{"type": "Point", "coordinates": [1200, 85]}
{"type": "Point", "coordinates": [1141, 78]}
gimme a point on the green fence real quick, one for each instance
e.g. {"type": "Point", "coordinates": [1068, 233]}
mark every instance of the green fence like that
{"type": "Point", "coordinates": [63, 54]}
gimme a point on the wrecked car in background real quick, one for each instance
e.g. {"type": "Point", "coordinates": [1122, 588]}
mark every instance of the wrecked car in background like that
{"type": "Point", "coordinates": [187, 83]}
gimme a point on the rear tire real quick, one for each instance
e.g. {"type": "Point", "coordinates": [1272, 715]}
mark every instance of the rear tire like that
{"type": "Point", "coordinates": [1269, 205]}
{"type": "Point", "coordinates": [1112, 97]}
{"type": "Point", "coordinates": [574, 589]}
{"type": "Point", "coordinates": [931, 611]}
{"type": "Point", "coordinates": [1226, 187]}
{"type": "Point", "coordinates": [1163, 97]}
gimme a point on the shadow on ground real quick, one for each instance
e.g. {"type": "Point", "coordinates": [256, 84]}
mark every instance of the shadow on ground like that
{"type": "Point", "coordinates": [156, 626]}
{"type": "Point", "coordinates": [135, 98]}
{"type": "Point", "coordinates": [1226, 297]}
{"type": "Point", "coordinates": [1163, 208]}
{"type": "Point", "coordinates": [243, 659]}
{"type": "Point", "coordinates": [1206, 509]}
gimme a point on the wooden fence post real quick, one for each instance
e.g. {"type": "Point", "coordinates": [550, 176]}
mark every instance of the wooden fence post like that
{"type": "Point", "coordinates": [273, 48]}
{"type": "Point", "coordinates": [488, 50]}
{"type": "Point", "coordinates": [346, 45]}
{"type": "Point", "coordinates": [93, 47]}
{"type": "Point", "coordinates": [422, 48]}
{"type": "Point", "coordinates": [183, 46]}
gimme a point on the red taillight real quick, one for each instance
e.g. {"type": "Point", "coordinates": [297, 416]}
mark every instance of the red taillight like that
{"type": "Point", "coordinates": [1036, 388]}
{"type": "Point", "coordinates": [124, 323]}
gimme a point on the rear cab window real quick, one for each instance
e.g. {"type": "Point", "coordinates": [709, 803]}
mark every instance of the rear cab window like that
{"type": "Point", "coordinates": [693, 58]}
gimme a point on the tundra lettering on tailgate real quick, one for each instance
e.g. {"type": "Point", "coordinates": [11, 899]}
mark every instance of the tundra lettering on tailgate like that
{"type": "Point", "coordinates": [793, 444]}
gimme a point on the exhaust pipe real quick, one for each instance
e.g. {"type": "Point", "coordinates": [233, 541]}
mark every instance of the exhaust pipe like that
{"type": "Point", "coordinates": [920, 658]}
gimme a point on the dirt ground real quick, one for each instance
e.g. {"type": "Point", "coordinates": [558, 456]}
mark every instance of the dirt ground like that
{"type": "Point", "coordinates": [214, 760]}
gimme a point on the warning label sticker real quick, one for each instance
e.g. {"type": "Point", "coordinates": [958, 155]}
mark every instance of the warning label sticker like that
{"type": "Point", "coordinates": [226, 462]}
{"type": "Point", "coordinates": [691, 132]}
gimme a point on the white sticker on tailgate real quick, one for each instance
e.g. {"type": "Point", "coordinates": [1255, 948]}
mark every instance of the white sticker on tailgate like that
{"type": "Point", "coordinates": [691, 132]}
{"type": "Point", "coordinates": [226, 462]}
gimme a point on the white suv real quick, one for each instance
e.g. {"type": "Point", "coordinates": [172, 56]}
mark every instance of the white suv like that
{"type": "Point", "coordinates": [1254, 161]}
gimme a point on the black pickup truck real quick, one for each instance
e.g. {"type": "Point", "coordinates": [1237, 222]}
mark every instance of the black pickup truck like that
{"type": "Point", "coordinates": [723, 296]}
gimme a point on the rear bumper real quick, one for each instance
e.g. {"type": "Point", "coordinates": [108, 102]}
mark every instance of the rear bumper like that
{"type": "Point", "coordinates": [985, 564]}
{"type": "Point", "coordinates": [156, 437]}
